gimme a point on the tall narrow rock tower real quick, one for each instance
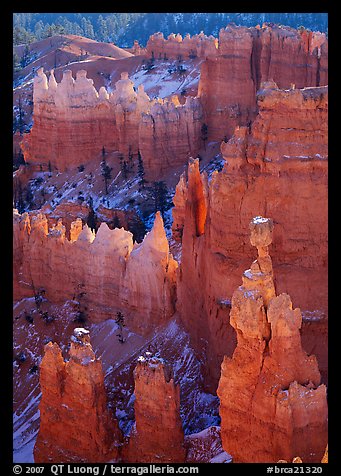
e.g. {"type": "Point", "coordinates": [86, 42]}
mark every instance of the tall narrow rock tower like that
{"type": "Point", "coordinates": [158, 435]}
{"type": "Point", "coordinates": [272, 405]}
{"type": "Point", "coordinates": [75, 424]}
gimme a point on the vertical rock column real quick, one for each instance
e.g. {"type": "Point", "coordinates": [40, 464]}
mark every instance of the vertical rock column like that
{"type": "Point", "coordinates": [75, 424]}
{"type": "Point", "coordinates": [158, 436]}
{"type": "Point", "coordinates": [272, 405]}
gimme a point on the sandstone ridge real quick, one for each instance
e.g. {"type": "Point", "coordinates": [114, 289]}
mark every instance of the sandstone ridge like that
{"type": "Point", "coordinates": [75, 117]}
{"type": "Point", "coordinates": [106, 270]}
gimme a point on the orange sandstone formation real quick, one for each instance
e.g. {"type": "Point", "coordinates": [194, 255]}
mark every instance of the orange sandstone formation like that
{"type": "Point", "coordinates": [110, 271]}
{"type": "Point", "coordinates": [325, 456]}
{"type": "Point", "coordinates": [176, 47]}
{"type": "Point", "coordinates": [226, 87]}
{"type": "Point", "coordinates": [246, 58]}
{"type": "Point", "coordinates": [277, 167]}
{"type": "Point", "coordinates": [271, 402]}
{"type": "Point", "coordinates": [69, 212]}
{"type": "Point", "coordinates": [73, 122]}
{"type": "Point", "coordinates": [75, 424]}
{"type": "Point", "coordinates": [157, 436]}
{"type": "Point", "coordinates": [137, 49]}
{"type": "Point", "coordinates": [280, 167]}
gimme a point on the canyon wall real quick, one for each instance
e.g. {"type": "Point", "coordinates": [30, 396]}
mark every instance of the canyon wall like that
{"type": "Point", "coordinates": [271, 402]}
{"type": "Point", "coordinates": [75, 423]}
{"type": "Point", "coordinates": [73, 122]}
{"type": "Point", "coordinates": [157, 435]}
{"type": "Point", "coordinates": [277, 167]}
{"type": "Point", "coordinates": [245, 58]}
{"type": "Point", "coordinates": [106, 272]}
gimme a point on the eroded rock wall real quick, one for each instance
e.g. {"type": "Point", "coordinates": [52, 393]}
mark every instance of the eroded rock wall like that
{"type": "Point", "coordinates": [179, 48]}
{"type": "Point", "coordinates": [73, 122]}
{"type": "Point", "coordinates": [246, 58]}
{"type": "Point", "coordinates": [106, 270]}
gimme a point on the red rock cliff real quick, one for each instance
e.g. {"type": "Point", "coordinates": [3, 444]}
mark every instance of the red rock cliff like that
{"type": "Point", "coordinates": [75, 424]}
{"type": "Point", "coordinates": [246, 58]}
{"type": "Point", "coordinates": [157, 436]}
{"type": "Point", "coordinates": [271, 402]}
{"type": "Point", "coordinates": [279, 166]}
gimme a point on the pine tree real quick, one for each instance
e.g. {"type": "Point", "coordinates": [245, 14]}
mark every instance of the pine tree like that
{"type": "Point", "coordinates": [125, 169]}
{"type": "Point", "coordinates": [204, 133]}
{"type": "Point", "coordinates": [18, 197]}
{"type": "Point", "coordinates": [20, 123]}
{"type": "Point", "coordinates": [16, 63]}
{"type": "Point", "coordinates": [120, 322]}
{"type": "Point", "coordinates": [105, 171]}
{"type": "Point", "coordinates": [25, 59]}
{"type": "Point", "coordinates": [116, 222]}
{"type": "Point", "coordinates": [140, 170]}
{"type": "Point", "coordinates": [87, 28]}
{"type": "Point", "coordinates": [91, 218]}
{"type": "Point", "coordinates": [130, 160]}
{"type": "Point", "coordinates": [161, 197]}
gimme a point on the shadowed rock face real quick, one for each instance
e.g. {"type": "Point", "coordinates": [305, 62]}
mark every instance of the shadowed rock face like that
{"type": "Point", "coordinates": [271, 402]}
{"type": "Point", "coordinates": [158, 435]}
{"type": "Point", "coordinates": [110, 272]}
{"type": "Point", "coordinates": [75, 424]}
{"type": "Point", "coordinates": [279, 167]}
{"type": "Point", "coordinates": [73, 122]}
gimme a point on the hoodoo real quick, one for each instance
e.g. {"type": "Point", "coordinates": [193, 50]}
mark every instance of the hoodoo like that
{"type": "Point", "coordinates": [75, 423]}
{"type": "Point", "coordinates": [158, 435]}
{"type": "Point", "coordinates": [271, 402]}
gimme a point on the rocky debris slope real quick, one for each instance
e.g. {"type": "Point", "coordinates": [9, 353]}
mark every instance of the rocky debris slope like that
{"type": "Point", "coordinates": [75, 424]}
{"type": "Point", "coordinates": [279, 167]}
{"type": "Point", "coordinates": [205, 447]}
{"type": "Point", "coordinates": [271, 402]}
